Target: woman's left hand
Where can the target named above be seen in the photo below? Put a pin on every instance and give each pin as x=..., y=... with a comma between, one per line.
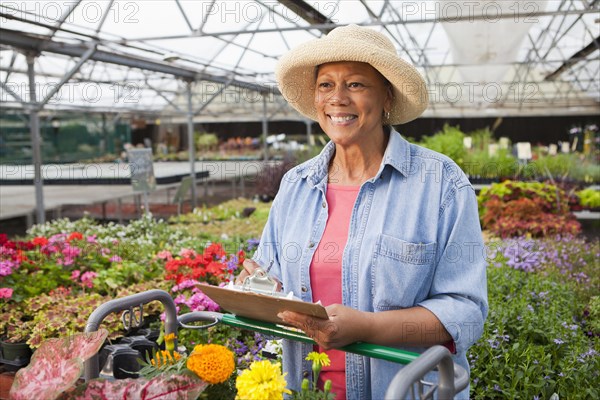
x=344, y=326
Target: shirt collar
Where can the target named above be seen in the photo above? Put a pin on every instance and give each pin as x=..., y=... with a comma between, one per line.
x=397, y=154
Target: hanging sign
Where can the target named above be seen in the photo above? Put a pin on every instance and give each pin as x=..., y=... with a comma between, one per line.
x=142, y=170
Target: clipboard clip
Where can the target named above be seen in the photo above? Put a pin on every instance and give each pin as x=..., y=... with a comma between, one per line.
x=260, y=282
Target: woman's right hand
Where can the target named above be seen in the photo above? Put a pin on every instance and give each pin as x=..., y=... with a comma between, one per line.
x=249, y=267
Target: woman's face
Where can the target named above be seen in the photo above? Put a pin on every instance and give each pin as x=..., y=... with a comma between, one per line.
x=350, y=98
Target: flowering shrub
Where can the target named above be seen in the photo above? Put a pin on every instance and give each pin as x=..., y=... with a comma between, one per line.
x=212, y=266
x=526, y=208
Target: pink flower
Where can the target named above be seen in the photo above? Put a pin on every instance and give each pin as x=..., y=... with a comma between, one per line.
x=71, y=252
x=104, y=251
x=200, y=302
x=164, y=255
x=6, y=267
x=91, y=239
x=6, y=293
x=87, y=278
x=189, y=283
x=75, y=275
x=116, y=259
x=187, y=253
x=180, y=299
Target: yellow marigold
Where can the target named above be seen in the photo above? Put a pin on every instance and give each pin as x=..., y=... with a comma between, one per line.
x=213, y=363
x=263, y=381
x=322, y=359
x=165, y=357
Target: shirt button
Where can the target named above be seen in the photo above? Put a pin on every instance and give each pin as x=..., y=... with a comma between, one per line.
x=324, y=204
x=305, y=374
x=311, y=245
x=304, y=289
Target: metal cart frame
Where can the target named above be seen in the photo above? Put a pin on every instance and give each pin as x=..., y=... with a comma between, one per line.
x=408, y=381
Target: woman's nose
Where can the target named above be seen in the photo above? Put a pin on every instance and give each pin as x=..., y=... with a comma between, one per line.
x=338, y=97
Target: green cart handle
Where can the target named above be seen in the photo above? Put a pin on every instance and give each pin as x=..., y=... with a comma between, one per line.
x=363, y=349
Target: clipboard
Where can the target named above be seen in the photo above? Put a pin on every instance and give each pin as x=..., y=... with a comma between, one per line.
x=262, y=307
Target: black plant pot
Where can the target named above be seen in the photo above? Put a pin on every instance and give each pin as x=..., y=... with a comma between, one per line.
x=14, y=355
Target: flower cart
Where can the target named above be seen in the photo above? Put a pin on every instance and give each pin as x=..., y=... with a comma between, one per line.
x=452, y=378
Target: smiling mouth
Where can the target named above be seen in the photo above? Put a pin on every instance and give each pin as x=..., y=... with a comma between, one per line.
x=341, y=119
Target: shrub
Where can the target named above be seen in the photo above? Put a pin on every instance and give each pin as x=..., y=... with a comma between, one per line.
x=510, y=209
x=589, y=198
x=449, y=142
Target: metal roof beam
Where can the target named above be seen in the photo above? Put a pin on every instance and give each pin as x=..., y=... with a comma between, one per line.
x=307, y=13
x=575, y=58
x=31, y=42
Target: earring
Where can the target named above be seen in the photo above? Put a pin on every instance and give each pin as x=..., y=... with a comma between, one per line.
x=386, y=115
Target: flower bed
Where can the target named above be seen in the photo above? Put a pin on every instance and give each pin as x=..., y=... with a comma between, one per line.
x=541, y=337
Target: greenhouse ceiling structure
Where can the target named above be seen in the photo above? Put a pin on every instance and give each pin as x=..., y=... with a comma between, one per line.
x=214, y=60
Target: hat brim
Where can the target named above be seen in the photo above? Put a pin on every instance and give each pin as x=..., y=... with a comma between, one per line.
x=296, y=75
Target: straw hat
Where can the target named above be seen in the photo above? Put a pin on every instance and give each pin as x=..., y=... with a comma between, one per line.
x=295, y=71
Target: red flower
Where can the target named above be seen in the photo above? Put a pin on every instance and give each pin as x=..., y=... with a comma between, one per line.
x=241, y=257
x=213, y=251
x=39, y=241
x=75, y=236
x=215, y=268
x=3, y=238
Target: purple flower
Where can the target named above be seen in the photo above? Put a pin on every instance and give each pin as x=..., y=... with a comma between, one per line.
x=251, y=244
x=115, y=259
x=559, y=341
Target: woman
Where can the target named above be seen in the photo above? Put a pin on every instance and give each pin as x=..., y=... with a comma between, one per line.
x=384, y=233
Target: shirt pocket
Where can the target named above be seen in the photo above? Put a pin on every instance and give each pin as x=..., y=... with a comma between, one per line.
x=401, y=272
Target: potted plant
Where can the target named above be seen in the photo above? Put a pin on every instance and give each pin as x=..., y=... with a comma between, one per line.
x=15, y=329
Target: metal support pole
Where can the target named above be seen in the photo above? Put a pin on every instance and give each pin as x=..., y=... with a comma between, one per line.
x=309, y=139
x=192, y=143
x=265, y=128
x=34, y=130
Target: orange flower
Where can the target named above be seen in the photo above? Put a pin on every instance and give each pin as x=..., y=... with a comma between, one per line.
x=213, y=363
x=164, y=357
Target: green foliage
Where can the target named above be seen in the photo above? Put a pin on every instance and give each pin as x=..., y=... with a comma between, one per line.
x=589, y=198
x=206, y=141
x=449, y=142
x=532, y=344
x=62, y=315
x=226, y=223
x=123, y=274
x=592, y=312
x=33, y=281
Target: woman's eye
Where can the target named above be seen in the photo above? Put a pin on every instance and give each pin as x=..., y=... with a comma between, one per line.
x=355, y=85
x=324, y=85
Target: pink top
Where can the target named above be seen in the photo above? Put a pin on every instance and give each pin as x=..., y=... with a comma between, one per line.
x=326, y=273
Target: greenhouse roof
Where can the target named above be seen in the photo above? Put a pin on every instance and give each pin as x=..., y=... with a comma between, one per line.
x=480, y=58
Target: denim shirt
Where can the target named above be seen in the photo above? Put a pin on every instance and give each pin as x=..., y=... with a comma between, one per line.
x=414, y=240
